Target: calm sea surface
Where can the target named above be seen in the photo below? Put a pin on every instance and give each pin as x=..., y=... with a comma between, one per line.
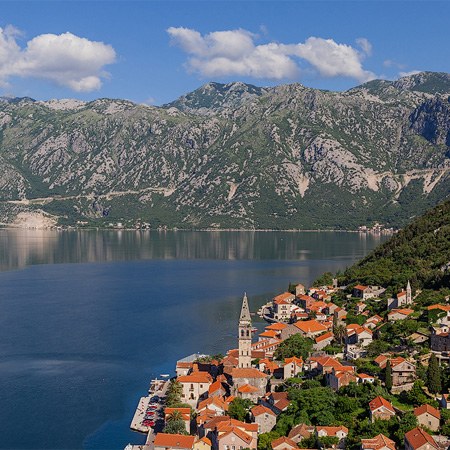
x=91, y=317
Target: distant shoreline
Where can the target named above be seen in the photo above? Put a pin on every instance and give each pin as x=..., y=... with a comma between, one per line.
x=216, y=230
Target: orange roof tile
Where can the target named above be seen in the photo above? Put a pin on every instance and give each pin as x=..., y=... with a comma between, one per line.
x=331, y=431
x=364, y=376
x=360, y=287
x=239, y=433
x=404, y=312
x=282, y=404
x=217, y=401
x=418, y=437
x=284, y=296
x=294, y=359
x=247, y=373
x=247, y=388
x=427, y=409
x=378, y=442
x=268, y=333
x=324, y=337
x=441, y=307
x=285, y=441
x=302, y=430
x=278, y=326
x=206, y=440
x=197, y=377
x=260, y=409
x=174, y=440
x=379, y=402
x=310, y=326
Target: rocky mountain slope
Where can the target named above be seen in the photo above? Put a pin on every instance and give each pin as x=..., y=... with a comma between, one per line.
x=232, y=155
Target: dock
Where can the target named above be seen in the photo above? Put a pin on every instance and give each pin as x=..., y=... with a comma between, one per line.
x=157, y=388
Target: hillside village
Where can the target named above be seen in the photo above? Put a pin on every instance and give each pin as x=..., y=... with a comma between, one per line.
x=338, y=367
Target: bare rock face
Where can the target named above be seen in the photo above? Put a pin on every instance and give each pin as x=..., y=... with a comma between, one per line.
x=432, y=120
x=232, y=155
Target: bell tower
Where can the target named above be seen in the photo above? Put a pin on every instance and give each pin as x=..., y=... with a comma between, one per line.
x=245, y=335
x=408, y=294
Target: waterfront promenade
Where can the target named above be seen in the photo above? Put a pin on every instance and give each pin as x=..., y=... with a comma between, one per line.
x=157, y=389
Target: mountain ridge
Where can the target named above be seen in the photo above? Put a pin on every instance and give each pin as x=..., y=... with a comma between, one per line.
x=232, y=156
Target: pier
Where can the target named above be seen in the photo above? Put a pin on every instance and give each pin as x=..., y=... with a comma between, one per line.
x=157, y=388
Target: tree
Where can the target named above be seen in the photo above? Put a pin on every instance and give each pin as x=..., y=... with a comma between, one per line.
x=339, y=332
x=407, y=423
x=265, y=440
x=434, y=383
x=296, y=345
x=328, y=441
x=238, y=408
x=174, y=415
x=388, y=376
x=175, y=427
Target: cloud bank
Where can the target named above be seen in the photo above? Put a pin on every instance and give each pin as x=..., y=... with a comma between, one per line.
x=65, y=59
x=234, y=52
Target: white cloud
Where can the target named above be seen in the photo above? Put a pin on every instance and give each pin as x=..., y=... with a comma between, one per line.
x=234, y=52
x=65, y=59
x=365, y=45
x=333, y=60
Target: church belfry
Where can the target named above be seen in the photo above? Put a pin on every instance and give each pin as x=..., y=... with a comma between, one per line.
x=408, y=294
x=245, y=335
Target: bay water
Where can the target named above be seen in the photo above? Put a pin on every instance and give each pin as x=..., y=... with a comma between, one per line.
x=88, y=318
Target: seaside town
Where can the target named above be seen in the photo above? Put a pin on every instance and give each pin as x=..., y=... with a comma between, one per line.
x=337, y=367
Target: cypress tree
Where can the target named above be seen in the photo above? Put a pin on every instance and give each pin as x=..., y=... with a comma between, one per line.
x=388, y=376
x=434, y=383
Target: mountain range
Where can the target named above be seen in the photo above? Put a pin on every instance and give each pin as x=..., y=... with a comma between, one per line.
x=231, y=156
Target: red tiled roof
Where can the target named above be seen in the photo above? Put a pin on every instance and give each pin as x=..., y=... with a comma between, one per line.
x=418, y=437
x=197, y=377
x=427, y=409
x=268, y=333
x=276, y=326
x=310, y=326
x=360, y=287
x=404, y=312
x=247, y=388
x=247, y=373
x=378, y=442
x=324, y=337
x=284, y=296
x=286, y=442
x=331, y=431
x=239, y=433
x=302, y=430
x=378, y=402
x=441, y=307
x=294, y=359
x=260, y=409
x=174, y=440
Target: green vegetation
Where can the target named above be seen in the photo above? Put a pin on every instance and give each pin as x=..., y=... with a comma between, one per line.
x=296, y=345
x=239, y=408
x=434, y=383
x=388, y=376
x=419, y=253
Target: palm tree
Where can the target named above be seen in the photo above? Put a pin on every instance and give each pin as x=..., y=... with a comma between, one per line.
x=174, y=415
x=339, y=332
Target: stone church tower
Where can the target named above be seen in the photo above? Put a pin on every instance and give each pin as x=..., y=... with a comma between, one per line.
x=408, y=294
x=245, y=336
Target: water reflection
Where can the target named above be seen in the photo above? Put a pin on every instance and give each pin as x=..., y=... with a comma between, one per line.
x=20, y=248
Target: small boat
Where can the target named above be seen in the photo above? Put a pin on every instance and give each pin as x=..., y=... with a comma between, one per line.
x=254, y=330
x=165, y=375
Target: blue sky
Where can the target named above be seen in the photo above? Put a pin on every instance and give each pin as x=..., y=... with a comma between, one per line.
x=154, y=51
